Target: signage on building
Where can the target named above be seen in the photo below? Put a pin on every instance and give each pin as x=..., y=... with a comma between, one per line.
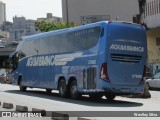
x=94, y=18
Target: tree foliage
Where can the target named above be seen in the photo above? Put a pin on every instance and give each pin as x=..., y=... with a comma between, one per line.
x=48, y=26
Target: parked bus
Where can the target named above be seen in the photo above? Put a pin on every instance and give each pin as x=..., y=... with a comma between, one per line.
x=100, y=59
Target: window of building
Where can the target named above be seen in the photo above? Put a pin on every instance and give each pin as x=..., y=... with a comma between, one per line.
x=58, y=20
x=149, y=5
x=157, y=3
x=159, y=6
x=155, y=7
x=152, y=12
x=158, y=41
x=21, y=31
x=145, y=11
x=148, y=10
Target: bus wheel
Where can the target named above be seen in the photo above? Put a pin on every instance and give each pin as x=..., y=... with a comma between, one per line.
x=48, y=90
x=110, y=97
x=21, y=87
x=74, y=90
x=62, y=88
x=95, y=97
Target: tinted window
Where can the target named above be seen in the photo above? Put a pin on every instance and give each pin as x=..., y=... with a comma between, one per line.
x=25, y=50
x=52, y=44
x=65, y=42
x=19, y=47
x=74, y=41
x=34, y=47
x=82, y=39
x=31, y=48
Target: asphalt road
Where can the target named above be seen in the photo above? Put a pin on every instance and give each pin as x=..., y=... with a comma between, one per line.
x=37, y=98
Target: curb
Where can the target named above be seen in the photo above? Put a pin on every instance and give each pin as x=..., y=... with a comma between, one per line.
x=7, y=105
x=59, y=116
x=83, y=119
x=43, y=112
x=20, y=108
x=54, y=115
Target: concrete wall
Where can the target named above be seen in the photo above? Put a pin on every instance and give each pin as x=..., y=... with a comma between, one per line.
x=151, y=15
x=153, y=49
x=123, y=9
x=22, y=27
x=2, y=12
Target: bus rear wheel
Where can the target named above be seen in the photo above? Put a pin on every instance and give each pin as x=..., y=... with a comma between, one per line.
x=62, y=88
x=110, y=97
x=95, y=97
x=48, y=90
x=74, y=94
x=21, y=87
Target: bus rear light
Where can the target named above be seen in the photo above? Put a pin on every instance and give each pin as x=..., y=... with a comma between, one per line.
x=144, y=74
x=104, y=72
x=142, y=24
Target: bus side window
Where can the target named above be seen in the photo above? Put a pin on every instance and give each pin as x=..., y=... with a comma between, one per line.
x=93, y=36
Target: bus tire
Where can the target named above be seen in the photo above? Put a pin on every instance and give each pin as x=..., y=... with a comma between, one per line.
x=62, y=87
x=73, y=90
x=21, y=87
x=48, y=90
x=95, y=97
x=110, y=97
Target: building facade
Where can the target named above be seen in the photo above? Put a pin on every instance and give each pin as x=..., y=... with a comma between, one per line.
x=50, y=18
x=7, y=26
x=87, y=11
x=22, y=28
x=2, y=13
x=150, y=16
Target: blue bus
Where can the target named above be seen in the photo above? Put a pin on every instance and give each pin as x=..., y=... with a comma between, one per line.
x=106, y=58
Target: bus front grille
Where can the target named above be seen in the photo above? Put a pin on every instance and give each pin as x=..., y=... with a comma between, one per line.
x=126, y=58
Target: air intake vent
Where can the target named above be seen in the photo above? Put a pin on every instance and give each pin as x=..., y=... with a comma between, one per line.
x=91, y=78
x=126, y=58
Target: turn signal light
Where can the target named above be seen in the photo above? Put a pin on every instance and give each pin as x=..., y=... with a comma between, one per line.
x=104, y=72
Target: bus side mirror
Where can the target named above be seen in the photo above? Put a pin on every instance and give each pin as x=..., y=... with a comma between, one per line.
x=7, y=63
x=13, y=59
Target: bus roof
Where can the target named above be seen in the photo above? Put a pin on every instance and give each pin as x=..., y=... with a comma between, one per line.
x=40, y=35
x=36, y=36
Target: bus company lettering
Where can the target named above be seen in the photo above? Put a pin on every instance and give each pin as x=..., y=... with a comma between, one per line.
x=127, y=48
x=51, y=60
x=41, y=61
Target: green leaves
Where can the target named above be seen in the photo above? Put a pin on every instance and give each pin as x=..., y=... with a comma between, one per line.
x=48, y=26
